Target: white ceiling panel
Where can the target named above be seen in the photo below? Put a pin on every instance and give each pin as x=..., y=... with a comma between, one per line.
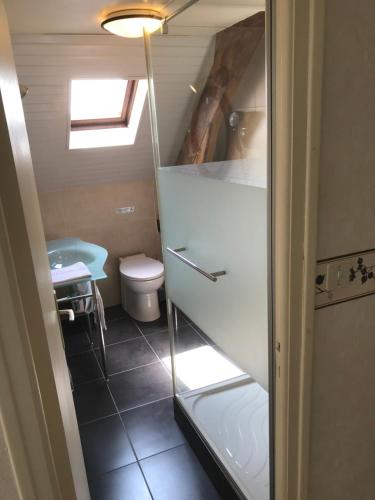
x=55, y=41
x=85, y=16
x=46, y=64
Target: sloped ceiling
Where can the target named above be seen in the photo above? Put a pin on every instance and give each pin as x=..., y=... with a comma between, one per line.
x=47, y=62
x=84, y=16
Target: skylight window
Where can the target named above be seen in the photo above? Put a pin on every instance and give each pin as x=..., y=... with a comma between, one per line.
x=97, y=99
x=105, y=113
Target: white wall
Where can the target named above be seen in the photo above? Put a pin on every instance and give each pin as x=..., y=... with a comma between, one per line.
x=343, y=399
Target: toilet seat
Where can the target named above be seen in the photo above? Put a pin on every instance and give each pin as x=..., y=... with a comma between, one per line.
x=141, y=268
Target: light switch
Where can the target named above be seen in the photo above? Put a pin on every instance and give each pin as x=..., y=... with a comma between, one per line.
x=125, y=210
x=338, y=274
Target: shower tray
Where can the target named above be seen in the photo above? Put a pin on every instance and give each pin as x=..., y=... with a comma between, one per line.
x=233, y=419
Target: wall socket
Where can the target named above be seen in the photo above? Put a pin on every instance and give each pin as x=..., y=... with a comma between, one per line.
x=345, y=278
x=125, y=210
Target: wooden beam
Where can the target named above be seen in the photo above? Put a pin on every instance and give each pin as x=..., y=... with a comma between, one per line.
x=234, y=48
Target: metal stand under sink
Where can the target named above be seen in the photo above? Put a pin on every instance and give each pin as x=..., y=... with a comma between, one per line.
x=93, y=294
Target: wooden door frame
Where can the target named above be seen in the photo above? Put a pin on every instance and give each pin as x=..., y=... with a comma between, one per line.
x=298, y=27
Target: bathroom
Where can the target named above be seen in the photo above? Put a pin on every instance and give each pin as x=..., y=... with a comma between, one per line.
x=104, y=204
x=99, y=192
x=186, y=266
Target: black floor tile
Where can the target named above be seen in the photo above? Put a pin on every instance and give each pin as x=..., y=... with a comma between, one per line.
x=115, y=312
x=84, y=367
x=128, y=355
x=186, y=339
x=105, y=446
x=140, y=386
x=93, y=400
x=121, y=329
x=126, y=483
x=160, y=343
x=177, y=475
x=158, y=325
x=72, y=327
x=205, y=337
x=77, y=343
x=152, y=428
x=76, y=339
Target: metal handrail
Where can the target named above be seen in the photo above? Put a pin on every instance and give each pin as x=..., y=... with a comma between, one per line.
x=210, y=276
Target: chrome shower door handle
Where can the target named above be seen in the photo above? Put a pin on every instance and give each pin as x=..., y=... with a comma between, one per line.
x=211, y=276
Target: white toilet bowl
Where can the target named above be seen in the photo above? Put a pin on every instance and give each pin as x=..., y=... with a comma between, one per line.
x=141, y=278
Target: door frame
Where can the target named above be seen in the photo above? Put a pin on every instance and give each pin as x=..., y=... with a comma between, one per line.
x=51, y=439
x=37, y=413
x=298, y=27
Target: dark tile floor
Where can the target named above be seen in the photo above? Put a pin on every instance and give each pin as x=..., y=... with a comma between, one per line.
x=132, y=446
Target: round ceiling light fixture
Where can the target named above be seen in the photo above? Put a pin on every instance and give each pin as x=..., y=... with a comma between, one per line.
x=130, y=23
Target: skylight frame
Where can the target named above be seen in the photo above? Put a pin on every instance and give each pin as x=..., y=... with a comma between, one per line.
x=111, y=122
x=110, y=136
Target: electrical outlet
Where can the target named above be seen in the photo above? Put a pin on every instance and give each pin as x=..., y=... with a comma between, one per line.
x=125, y=210
x=345, y=278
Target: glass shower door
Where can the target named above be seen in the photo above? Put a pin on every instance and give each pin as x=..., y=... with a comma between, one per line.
x=210, y=134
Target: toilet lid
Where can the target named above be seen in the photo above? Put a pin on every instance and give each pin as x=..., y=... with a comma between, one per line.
x=140, y=267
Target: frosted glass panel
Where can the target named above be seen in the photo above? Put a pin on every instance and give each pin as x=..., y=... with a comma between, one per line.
x=223, y=226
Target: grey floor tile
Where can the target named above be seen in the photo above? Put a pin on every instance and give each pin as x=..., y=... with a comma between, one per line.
x=84, y=367
x=140, y=386
x=121, y=329
x=105, y=446
x=177, y=475
x=115, y=312
x=185, y=340
x=126, y=483
x=128, y=355
x=92, y=401
x=77, y=343
x=152, y=428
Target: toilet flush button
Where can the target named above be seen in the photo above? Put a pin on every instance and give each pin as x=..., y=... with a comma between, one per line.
x=125, y=210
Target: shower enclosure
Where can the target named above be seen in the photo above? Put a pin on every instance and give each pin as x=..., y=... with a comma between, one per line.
x=210, y=124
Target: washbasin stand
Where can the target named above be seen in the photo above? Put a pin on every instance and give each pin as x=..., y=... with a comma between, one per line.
x=67, y=251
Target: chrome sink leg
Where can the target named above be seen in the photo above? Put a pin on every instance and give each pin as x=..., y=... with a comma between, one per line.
x=89, y=328
x=100, y=328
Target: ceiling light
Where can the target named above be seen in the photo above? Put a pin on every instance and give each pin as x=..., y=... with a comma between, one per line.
x=131, y=23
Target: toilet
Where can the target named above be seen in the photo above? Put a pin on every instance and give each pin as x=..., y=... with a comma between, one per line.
x=141, y=278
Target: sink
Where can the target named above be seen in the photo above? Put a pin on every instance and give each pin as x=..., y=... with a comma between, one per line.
x=62, y=258
x=67, y=251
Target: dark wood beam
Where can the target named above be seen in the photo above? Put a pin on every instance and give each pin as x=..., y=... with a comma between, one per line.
x=234, y=48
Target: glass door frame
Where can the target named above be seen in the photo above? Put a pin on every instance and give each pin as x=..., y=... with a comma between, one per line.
x=172, y=313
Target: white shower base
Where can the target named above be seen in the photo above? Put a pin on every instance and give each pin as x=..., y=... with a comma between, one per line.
x=233, y=418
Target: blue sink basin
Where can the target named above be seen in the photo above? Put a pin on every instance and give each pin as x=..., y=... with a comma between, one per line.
x=68, y=251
